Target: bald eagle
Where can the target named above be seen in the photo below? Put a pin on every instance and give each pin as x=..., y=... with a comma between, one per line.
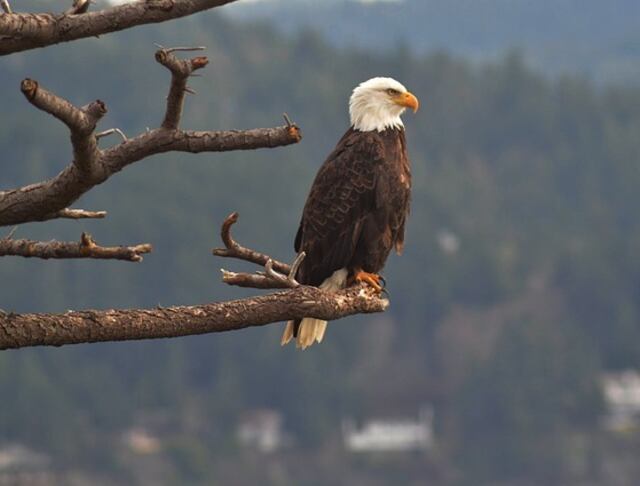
x=359, y=201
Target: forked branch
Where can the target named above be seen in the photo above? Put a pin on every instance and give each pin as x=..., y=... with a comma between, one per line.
x=233, y=249
x=91, y=166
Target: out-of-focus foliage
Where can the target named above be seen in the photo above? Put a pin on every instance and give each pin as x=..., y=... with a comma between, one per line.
x=519, y=282
x=595, y=38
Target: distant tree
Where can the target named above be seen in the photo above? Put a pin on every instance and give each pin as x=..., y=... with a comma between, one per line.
x=521, y=411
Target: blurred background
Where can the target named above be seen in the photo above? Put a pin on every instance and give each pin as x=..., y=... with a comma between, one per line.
x=511, y=351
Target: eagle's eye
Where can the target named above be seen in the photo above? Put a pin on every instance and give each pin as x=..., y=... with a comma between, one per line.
x=393, y=92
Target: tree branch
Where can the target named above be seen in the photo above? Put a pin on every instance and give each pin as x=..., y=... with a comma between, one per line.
x=298, y=301
x=91, y=166
x=85, y=248
x=22, y=330
x=21, y=32
x=233, y=249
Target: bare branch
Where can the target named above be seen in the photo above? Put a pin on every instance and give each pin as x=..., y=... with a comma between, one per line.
x=5, y=6
x=44, y=200
x=252, y=280
x=270, y=278
x=29, y=31
x=233, y=249
x=22, y=330
x=180, y=69
x=85, y=248
x=80, y=214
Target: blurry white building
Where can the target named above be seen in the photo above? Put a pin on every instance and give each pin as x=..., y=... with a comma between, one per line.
x=261, y=429
x=141, y=441
x=622, y=395
x=18, y=457
x=390, y=435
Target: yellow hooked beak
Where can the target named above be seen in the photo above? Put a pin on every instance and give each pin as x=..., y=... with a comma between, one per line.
x=408, y=100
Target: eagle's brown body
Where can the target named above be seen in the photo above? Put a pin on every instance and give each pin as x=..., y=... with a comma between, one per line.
x=357, y=207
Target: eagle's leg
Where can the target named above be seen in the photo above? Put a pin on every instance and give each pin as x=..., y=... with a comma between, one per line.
x=373, y=279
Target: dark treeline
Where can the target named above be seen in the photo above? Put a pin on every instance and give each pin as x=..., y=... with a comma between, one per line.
x=518, y=288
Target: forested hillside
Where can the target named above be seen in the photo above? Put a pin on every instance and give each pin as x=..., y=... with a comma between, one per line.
x=519, y=284
x=598, y=39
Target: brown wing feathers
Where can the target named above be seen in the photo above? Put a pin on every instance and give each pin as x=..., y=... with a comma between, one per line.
x=341, y=197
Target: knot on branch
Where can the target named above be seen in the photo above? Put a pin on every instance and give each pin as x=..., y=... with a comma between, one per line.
x=292, y=128
x=164, y=5
x=199, y=62
x=95, y=110
x=29, y=88
x=87, y=243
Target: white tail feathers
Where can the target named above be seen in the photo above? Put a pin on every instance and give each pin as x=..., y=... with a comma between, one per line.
x=287, y=335
x=312, y=330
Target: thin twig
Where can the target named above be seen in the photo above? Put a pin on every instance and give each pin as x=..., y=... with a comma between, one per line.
x=296, y=265
x=80, y=214
x=183, y=49
x=11, y=233
x=5, y=6
x=253, y=280
x=110, y=132
x=286, y=280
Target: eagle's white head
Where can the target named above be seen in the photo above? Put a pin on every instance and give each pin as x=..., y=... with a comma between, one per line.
x=377, y=104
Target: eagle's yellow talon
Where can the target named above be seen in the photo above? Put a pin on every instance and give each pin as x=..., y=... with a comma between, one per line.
x=369, y=278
